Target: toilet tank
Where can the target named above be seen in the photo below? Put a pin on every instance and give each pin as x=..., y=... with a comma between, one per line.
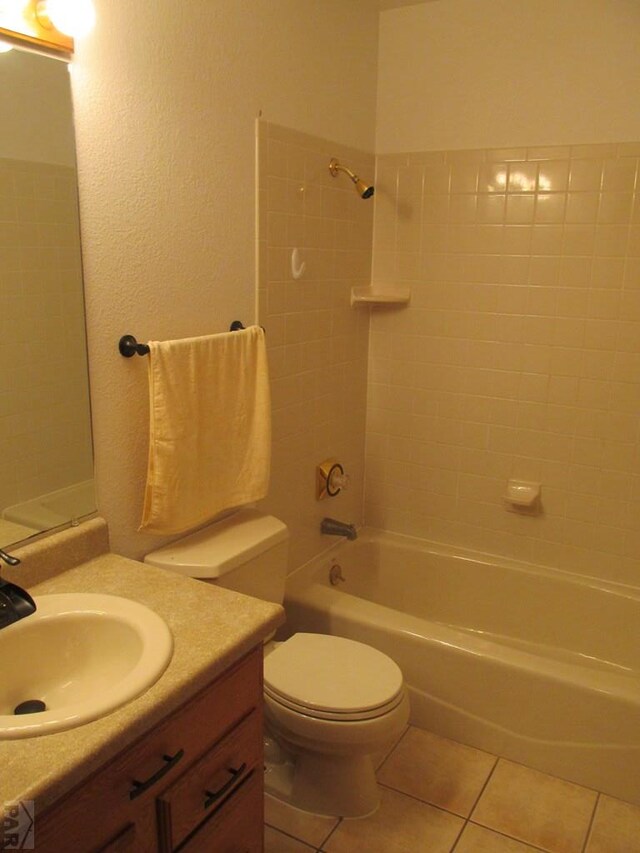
x=246, y=552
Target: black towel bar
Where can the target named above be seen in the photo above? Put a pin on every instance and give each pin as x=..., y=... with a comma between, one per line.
x=128, y=346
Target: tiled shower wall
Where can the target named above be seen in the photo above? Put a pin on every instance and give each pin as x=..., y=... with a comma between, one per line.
x=317, y=344
x=518, y=356
x=45, y=435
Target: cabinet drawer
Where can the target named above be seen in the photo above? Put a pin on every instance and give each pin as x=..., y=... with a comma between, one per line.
x=118, y=793
x=237, y=827
x=210, y=781
x=124, y=842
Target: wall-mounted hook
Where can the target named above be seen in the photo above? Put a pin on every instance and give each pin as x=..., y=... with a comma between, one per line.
x=298, y=266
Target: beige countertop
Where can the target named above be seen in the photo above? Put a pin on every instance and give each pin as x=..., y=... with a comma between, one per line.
x=211, y=627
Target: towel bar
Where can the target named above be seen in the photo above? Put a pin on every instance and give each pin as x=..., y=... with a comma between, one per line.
x=128, y=346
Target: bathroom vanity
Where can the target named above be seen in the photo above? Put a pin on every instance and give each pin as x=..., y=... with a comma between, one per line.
x=196, y=778
x=179, y=767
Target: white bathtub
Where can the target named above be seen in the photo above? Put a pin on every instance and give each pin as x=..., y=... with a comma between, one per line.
x=533, y=664
x=54, y=508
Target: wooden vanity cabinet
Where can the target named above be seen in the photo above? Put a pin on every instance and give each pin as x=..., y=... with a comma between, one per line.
x=194, y=783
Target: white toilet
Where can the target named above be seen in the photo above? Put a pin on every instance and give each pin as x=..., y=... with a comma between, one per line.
x=330, y=703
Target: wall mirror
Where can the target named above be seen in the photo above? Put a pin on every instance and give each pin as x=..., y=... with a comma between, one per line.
x=46, y=458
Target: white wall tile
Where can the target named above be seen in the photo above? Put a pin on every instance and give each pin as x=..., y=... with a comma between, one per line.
x=525, y=359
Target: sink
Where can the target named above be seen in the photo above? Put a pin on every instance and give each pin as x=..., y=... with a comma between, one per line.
x=81, y=654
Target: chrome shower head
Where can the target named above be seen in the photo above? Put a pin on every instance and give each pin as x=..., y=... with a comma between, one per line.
x=363, y=189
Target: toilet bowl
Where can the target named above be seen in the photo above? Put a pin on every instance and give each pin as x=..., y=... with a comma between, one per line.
x=330, y=703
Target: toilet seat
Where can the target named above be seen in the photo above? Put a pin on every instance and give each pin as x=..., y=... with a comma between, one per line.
x=335, y=716
x=332, y=678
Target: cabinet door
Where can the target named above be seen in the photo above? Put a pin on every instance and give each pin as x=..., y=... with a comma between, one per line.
x=133, y=838
x=94, y=828
x=237, y=826
x=207, y=785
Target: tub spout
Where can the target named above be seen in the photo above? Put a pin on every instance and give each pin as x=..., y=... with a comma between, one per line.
x=338, y=528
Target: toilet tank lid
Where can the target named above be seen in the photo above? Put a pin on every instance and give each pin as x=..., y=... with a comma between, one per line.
x=222, y=546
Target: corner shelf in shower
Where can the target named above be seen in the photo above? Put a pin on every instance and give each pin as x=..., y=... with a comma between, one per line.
x=380, y=295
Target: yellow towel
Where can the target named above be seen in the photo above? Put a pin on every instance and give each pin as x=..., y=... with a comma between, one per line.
x=210, y=428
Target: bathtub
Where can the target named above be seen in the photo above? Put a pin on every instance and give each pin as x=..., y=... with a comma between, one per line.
x=532, y=664
x=54, y=508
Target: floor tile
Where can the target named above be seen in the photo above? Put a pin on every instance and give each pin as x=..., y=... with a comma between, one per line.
x=378, y=758
x=277, y=842
x=616, y=827
x=535, y=808
x=478, y=839
x=303, y=825
x=437, y=770
x=401, y=825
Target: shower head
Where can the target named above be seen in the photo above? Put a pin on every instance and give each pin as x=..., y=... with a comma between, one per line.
x=363, y=189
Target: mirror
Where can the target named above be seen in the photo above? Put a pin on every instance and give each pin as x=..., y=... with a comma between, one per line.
x=46, y=458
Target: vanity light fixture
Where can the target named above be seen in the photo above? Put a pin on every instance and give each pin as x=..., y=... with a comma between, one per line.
x=10, y=13
x=74, y=18
x=47, y=26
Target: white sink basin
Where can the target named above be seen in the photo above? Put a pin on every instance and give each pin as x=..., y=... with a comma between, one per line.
x=83, y=655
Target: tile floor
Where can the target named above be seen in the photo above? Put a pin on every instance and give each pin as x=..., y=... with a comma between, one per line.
x=439, y=796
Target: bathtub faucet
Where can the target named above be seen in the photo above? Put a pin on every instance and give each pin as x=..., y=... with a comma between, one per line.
x=338, y=528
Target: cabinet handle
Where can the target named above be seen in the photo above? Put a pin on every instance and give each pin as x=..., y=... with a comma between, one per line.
x=140, y=787
x=212, y=796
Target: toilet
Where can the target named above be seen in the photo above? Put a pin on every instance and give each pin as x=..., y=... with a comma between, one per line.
x=331, y=704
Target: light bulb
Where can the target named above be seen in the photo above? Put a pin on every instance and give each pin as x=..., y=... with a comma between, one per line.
x=74, y=18
x=11, y=18
x=5, y=47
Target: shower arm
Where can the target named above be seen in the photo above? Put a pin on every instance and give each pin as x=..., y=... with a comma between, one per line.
x=335, y=167
x=363, y=189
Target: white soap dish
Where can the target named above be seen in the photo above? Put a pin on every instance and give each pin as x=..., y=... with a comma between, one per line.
x=522, y=494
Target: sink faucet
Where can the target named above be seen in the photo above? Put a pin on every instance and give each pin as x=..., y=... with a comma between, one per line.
x=15, y=602
x=338, y=528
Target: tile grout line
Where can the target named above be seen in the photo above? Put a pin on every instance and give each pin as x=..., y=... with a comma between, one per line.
x=457, y=841
x=510, y=837
x=289, y=835
x=465, y=821
x=484, y=787
x=339, y=823
x=340, y=819
x=477, y=800
x=423, y=802
x=591, y=822
x=465, y=818
x=393, y=749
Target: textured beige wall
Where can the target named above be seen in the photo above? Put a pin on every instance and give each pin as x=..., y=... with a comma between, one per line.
x=318, y=344
x=459, y=74
x=165, y=105
x=519, y=355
